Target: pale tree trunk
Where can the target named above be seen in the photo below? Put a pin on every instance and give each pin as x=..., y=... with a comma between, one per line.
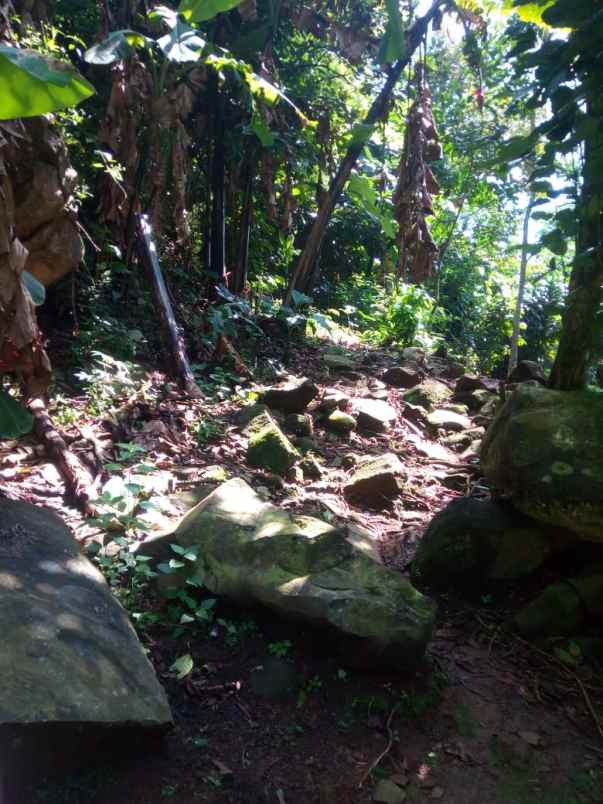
x=523, y=270
x=305, y=269
x=578, y=331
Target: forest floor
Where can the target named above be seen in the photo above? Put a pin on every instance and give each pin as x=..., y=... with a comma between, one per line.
x=487, y=719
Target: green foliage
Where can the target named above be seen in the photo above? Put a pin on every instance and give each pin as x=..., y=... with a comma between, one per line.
x=280, y=649
x=32, y=84
x=15, y=420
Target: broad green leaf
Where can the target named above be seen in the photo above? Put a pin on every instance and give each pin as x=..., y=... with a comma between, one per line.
x=36, y=289
x=118, y=45
x=183, y=666
x=262, y=130
x=202, y=10
x=32, y=84
x=182, y=43
x=530, y=11
x=15, y=420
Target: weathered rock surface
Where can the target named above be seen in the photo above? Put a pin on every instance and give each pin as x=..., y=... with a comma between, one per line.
x=402, y=377
x=339, y=362
x=341, y=422
x=269, y=448
x=334, y=399
x=472, y=544
x=414, y=356
x=527, y=370
x=249, y=412
x=545, y=449
x=304, y=569
x=69, y=653
x=375, y=415
x=376, y=481
x=448, y=420
x=429, y=394
x=299, y=424
x=293, y=397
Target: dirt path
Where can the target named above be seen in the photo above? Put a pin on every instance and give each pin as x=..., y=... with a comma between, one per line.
x=266, y=715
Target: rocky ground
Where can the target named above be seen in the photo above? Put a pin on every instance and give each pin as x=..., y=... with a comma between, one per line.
x=378, y=443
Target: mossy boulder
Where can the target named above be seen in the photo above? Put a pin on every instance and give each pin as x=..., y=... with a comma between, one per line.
x=292, y=397
x=430, y=394
x=305, y=570
x=341, y=422
x=557, y=611
x=472, y=545
x=299, y=424
x=269, y=448
x=376, y=481
x=248, y=413
x=545, y=449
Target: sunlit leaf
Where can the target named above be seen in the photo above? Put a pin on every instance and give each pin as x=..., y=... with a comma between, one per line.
x=202, y=10
x=32, y=84
x=183, y=666
x=182, y=43
x=118, y=45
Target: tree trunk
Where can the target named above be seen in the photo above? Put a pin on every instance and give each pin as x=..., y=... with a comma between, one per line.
x=218, y=223
x=172, y=336
x=523, y=266
x=577, y=343
x=305, y=266
x=239, y=279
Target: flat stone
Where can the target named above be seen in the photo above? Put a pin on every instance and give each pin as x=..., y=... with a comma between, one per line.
x=293, y=397
x=70, y=659
x=304, y=569
x=402, y=377
x=269, y=448
x=387, y=792
x=338, y=362
x=448, y=420
x=376, y=481
x=374, y=415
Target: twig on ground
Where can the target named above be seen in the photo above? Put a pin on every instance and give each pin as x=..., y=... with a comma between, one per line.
x=388, y=747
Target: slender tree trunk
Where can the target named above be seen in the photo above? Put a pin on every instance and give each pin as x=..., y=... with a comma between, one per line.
x=577, y=343
x=218, y=223
x=174, y=342
x=523, y=266
x=240, y=278
x=311, y=252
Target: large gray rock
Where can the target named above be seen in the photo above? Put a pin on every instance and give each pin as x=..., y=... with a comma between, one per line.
x=430, y=394
x=269, y=448
x=293, y=397
x=471, y=545
x=545, y=449
x=70, y=658
x=374, y=415
x=304, y=569
x=402, y=377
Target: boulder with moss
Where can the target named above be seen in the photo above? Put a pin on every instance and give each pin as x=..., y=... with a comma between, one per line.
x=375, y=415
x=292, y=397
x=305, y=570
x=269, y=448
x=376, y=481
x=473, y=545
x=341, y=422
x=430, y=394
x=545, y=449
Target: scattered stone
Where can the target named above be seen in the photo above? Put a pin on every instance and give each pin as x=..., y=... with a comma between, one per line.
x=305, y=444
x=545, y=449
x=311, y=468
x=247, y=413
x=414, y=356
x=269, y=448
x=401, y=377
x=338, y=362
x=527, y=370
x=332, y=400
x=453, y=371
x=375, y=415
x=70, y=658
x=472, y=544
x=341, y=422
x=387, y=792
x=471, y=382
x=456, y=407
x=304, y=569
x=295, y=474
x=294, y=397
x=376, y=481
x=430, y=394
x=557, y=611
x=462, y=440
x=299, y=424
x=448, y=420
